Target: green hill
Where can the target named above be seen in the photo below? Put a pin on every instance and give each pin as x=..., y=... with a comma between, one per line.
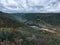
x=26, y=35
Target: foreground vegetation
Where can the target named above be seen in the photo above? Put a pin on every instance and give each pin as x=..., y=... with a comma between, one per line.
x=25, y=36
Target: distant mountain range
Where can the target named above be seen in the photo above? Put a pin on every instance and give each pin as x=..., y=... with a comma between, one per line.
x=8, y=20
x=51, y=18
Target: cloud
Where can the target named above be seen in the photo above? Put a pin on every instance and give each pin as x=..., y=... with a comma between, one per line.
x=30, y=6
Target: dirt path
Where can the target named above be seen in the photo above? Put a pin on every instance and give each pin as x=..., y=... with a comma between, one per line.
x=52, y=31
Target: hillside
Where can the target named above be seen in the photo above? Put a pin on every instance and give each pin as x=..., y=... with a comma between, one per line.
x=30, y=29
x=49, y=18
x=7, y=20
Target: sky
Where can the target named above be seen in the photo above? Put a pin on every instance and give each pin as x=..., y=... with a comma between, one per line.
x=30, y=6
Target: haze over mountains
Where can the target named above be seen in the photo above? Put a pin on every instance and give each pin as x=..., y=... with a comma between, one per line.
x=36, y=18
x=47, y=17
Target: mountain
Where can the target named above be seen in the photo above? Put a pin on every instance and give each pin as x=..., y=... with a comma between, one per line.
x=51, y=18
x=9, y=20
x=30, y=29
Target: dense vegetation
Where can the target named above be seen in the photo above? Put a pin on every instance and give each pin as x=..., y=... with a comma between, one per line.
x=26, y=37
x=53, y=19
x=24, y=34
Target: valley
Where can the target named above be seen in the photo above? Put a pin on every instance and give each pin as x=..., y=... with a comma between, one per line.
x=29, y=29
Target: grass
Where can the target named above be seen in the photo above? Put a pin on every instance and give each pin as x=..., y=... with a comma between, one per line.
x=25, y=32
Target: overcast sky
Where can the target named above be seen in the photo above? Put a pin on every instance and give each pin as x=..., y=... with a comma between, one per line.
x=30, y=6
